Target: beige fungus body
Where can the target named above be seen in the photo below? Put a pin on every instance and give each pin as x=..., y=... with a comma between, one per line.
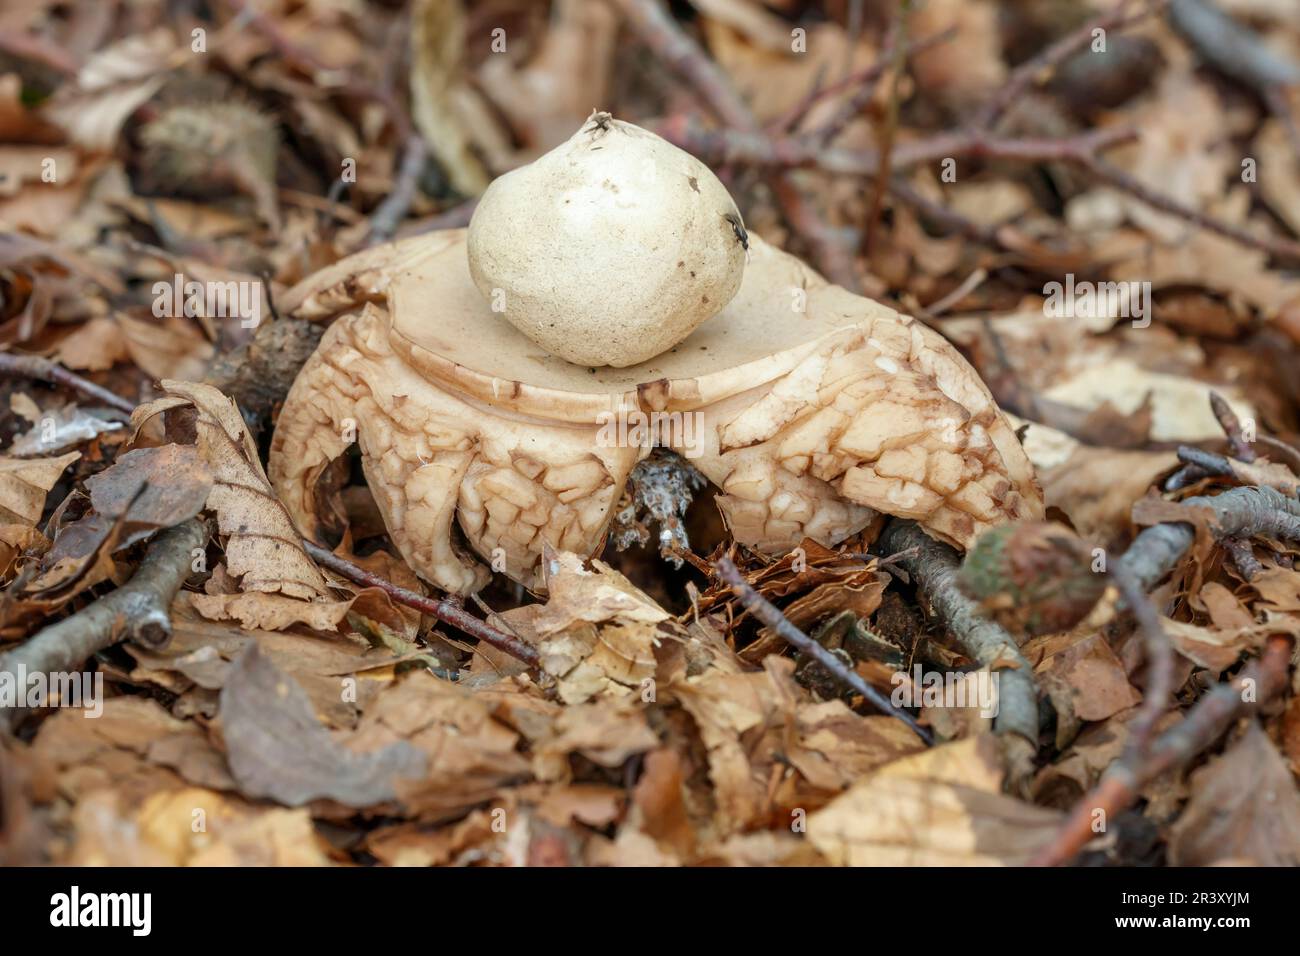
x=611, y=248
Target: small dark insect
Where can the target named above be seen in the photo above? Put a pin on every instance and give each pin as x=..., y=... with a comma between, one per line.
x=599, y=123
x=738, y=228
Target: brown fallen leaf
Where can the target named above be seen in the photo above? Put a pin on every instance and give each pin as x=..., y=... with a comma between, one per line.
x=606, y=732
x=596, y=633
x=1244, y=805
x=437, y=52
x=197, y=661
x=939, y=808
x=109, y=88
x=409, y=844
x=547, y=97
x=178, y=484
x=658, y=798
x=890, y=821
x=15, y=540
x=1096, y=488
x=1278, y=589
x=270, y=612
x=170, y=347
x=277, y=749
x=24, y=482
x=162, y=831
x=134, y=748
x=143, y=492
x=1218, y=648
x=756, y=724
x=94, y=347
x=1086, y=681
x=471, y=752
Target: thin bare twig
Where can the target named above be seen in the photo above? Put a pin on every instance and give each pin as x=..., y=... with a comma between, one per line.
x=965, y=288
x=661, y=33
x=949, y=219
x=1160, y=663
x=738, y=146
x=770, y=615
x=934, y=566
x=1208, y=719
x=457, y=217
x=1126, y=182
x=1242, y=450
x=389, y=214
x=1243, y=557
x=889, y=128
x=138, y=610
x=863, y=85
x=1081, y=150
x=1231, y=48
x=1024, y=75
x=1238, y=512
x=1206, y=462
x=831, y=255
x=33, y=366
x=444, y=609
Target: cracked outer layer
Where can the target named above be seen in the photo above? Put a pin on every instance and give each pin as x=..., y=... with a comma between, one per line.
x=811, y=410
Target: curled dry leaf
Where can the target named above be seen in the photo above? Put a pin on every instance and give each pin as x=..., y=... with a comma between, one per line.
x=605, y=732
x=142, y=492
x=961, y=72
x=95, y=346
x=198, y=660
x=133, y=747
x=263, y=549
x=544, y=98
x=170, y=347
x=272, y=612
x=596, y=633
x=16, y=539
x=1180, y=411
x=1096, y=487
x=1086, y=681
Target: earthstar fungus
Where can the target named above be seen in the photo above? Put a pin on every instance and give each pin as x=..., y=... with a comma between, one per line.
x=810, y=409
